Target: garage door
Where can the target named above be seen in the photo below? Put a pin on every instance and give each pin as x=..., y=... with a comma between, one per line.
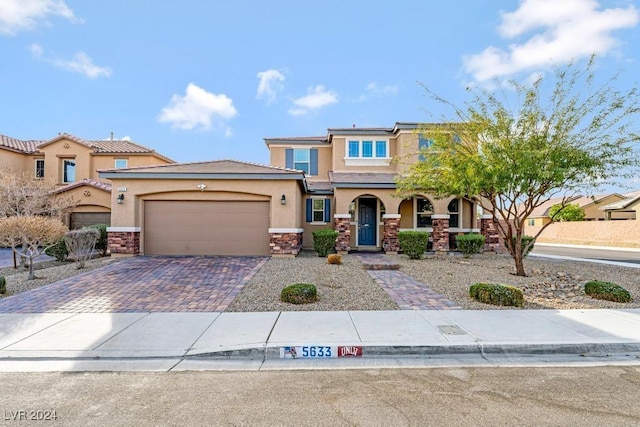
x=206, y=228
x=83, y=219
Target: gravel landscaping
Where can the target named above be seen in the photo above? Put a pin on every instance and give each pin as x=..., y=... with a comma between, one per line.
x=551, y=284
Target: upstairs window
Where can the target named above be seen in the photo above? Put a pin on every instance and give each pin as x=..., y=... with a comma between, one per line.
x=454, y=213
x=39, y=171
x=68, y=171
x=359, y=149
x=423, y=144
x=424, y=210
x=304, y=159
x=121, y=163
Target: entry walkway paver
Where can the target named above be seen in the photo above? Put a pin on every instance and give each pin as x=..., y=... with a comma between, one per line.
x=407, y=292
x=143, y=284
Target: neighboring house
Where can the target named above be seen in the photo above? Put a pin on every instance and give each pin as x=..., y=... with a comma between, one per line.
x=73, y=163
x=592, y=207
x=628, y=208
x=344, y=181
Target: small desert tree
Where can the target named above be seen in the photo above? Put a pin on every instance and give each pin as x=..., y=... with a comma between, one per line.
x=23, y=195
x=570, y=212
x=521, y=145
x=30, y=236
x=81, y=243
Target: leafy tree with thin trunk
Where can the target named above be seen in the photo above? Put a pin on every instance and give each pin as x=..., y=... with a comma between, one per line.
x=516, y=147
x=570, y=212
x=30, y=236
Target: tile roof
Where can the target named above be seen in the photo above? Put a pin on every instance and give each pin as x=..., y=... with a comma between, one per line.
x=621, y=204
x=107, y=146
x=361, y=178
x=85, y=182
x=214, y=166
x=319, y=186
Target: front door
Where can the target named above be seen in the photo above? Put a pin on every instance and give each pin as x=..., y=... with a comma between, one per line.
x=367, y=222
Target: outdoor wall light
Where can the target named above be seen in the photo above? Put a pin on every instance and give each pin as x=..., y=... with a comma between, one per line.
x=120, y=198
x=283, y=200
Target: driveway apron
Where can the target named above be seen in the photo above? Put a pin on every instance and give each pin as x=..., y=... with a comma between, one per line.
x=143, y=284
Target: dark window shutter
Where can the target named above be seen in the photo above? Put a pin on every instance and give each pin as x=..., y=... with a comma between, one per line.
x=327, y=210
x=313, y=161
x=288, y=158
x=309, y=210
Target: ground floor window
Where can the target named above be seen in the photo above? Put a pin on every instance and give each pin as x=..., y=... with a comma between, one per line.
x=318, y=210
x=424, y=211
x=454, y=213
x=39, y=168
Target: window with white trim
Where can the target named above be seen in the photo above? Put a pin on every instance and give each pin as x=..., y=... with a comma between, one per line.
x=121, y=163
x=367, y=149
x=301, y=159
x=424, y=211
x=39, y=169
x=454, y=213
x=318, y=210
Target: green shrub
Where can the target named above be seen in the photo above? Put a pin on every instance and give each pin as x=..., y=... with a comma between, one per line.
x=607, y=291
x=59, y=251
x=101, y=244
x=413, y=243
x=300, y=293
x=470, y=244
x=3, y=285
x=497, y=294
x=324, y=241
x=525, y=242
x=334, y=259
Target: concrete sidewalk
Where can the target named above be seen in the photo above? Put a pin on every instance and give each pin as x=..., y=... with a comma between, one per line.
x=173, y=338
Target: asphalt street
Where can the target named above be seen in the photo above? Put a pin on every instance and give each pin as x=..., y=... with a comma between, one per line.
x=398, y=397
x=589, y=253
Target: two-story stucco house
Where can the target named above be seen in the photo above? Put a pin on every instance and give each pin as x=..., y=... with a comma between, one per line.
x=344, y=180
x=72, y=164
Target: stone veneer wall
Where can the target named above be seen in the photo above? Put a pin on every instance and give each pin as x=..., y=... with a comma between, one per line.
x=490, y=233
x=285, y=243
x=124, y=242
x=343, y=227
x=390, y=236
x=440, y=234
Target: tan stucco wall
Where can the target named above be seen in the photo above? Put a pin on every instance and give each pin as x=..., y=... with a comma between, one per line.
x=96, y=201
x=131, y=213
x=15, y=162
x=339, y=153
x=593, y=212
x=278, y=158
x=344, y=197
x=597, y=233
x=107, y=161
x=56, y=152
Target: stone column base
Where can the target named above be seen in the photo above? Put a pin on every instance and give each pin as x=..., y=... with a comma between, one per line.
x=490, y=233
x=285, y=242
x=122, y=242
x=342, y=224
x=440, y=233
x=390, y=233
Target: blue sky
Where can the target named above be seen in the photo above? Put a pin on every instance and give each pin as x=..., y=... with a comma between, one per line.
x=201, y=80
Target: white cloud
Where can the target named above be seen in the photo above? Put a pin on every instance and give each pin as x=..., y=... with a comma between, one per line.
x=376, y=90
x=562, y=31
x=198, y=109
x=270, y=84
x=20, y=15
x=81, y=63
x=317, y=97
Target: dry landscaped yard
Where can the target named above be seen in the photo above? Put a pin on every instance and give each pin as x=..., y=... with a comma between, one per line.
x=551, y=284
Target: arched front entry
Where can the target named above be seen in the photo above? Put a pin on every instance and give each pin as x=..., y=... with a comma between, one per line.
x=366, y=212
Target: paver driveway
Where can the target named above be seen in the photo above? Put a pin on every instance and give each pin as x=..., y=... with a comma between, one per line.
x=143, y=284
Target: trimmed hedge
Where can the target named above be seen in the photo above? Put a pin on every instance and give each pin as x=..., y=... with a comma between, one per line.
x=525, y=242
x=334, y=259
x=3, y=285
x=413, y=243
x=495, y=294
x=324, y=241
x=607, y=291
x=59, y=251
x=470, y=244
x=299, y=293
